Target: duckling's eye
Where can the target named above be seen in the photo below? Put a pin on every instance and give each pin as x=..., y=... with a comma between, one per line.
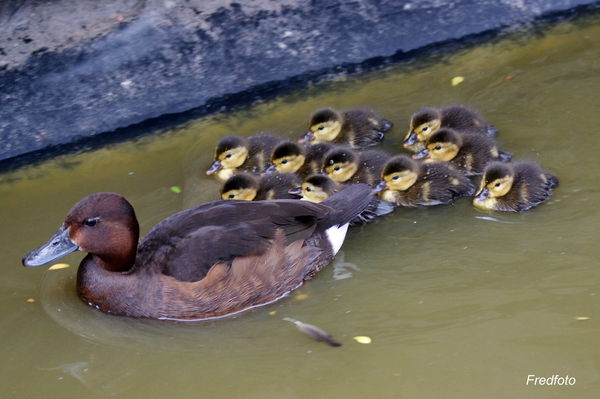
x=437, y=147
x=425, y=128
x=321, y=127
x=308, y=189
x=228, y=156
x=337, y=168
x=91, y=222
x=284, y=161
x=231, y=196
x=395, y=177
x=497, y=184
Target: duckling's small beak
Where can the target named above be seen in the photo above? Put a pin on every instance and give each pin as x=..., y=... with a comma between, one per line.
x=57, y=246
x=308, y=136
x=410, y=140
x=270, y=170
x=296, y=191
x=424, y=153
x=216, y=165
x=379, y=187
x=482, y=195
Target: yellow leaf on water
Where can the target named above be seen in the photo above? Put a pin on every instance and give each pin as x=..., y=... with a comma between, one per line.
x=301, y=297
x=582, y=318
x=59, y=266
x=361, y=339
x=457, y=80
x=30, y=300
x=176, y=189
x=272, y=313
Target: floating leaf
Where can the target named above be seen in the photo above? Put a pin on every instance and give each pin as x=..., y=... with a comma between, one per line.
x=582, y=318
x=59, y=266
x=314, y=332
x=301, y=297
x=272, y=313
x=361, y=339
x=457, y=80
x=31, y=300
x=175, y=189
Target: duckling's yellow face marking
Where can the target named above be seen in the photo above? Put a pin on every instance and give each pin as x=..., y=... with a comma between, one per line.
x=424, y=130
x=289, y=164
x=246, y=194
x=341, y=171
x=400, y=181
x=313, y=193
x=442, y=151
x=233, y=158
x=499, y=187
x=326, y=131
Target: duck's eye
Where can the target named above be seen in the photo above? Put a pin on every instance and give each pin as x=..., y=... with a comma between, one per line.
x=395, y=177
x=321, y=127
x=497, y=184
x=91, y=222
x=425, y=128
x=336, y=169
x=308, y=189
x=231, y=196
x=284, y=161
x=228, y=156
x=437, y=147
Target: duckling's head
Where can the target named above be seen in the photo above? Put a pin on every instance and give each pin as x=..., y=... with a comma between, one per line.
x=324, y=126
x=423, y=124
x=230, y=153
x=442, y=146
x=242, y=186
x=496, y=182
x=399, y=174
x=317, y=188
x=287, y=157
x=341, y=164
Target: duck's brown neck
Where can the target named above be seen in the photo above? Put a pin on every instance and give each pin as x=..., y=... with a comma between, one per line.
x=123, y=249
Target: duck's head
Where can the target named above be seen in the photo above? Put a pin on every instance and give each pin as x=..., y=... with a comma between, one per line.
x=496, y=182
x=324, y=126
x=442, y=146
x=317, y=188
x=102, y=224
x=340, y=164
x=423, y=124
x=287, y=157
x=230, y=153
x=241, y=186
x=399, y=174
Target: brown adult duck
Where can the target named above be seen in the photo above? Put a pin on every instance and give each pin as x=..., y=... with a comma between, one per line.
x=356, y=127
x=426, y=121
x=514, y=187
x=240, y=154
x=208, y=261
x=468, y=153
x=409, y=183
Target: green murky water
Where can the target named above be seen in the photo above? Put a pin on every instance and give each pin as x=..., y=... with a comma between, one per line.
x=458, y=303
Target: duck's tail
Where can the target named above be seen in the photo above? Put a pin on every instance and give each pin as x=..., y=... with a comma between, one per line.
x=348, y=203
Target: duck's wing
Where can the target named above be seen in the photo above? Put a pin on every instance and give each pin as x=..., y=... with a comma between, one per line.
x=187, y=244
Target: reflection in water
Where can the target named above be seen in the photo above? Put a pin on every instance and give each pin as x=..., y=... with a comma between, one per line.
x=459, y=302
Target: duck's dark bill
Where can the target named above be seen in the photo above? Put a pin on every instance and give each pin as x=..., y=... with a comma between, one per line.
x=57, y=246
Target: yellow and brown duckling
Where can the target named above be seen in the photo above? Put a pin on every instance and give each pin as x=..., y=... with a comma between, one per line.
x=427, y=121
x=235, y=153
x=247, y=187
x=409, y=183
x=207, y=261
x=303, y=160
x=357, y=127
x=317, y=188
x=345, y=165
x=468, y=153
x=513, y=187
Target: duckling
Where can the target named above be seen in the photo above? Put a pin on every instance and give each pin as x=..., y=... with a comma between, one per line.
x=469, y=153
x=208, y=261
x=345, y=165
x=357, y=127
x=235, y=153
x=244, y=186
x=513, y=187
x=427, y=121
x=303, y=160
x=317, y=188
x=406, y=182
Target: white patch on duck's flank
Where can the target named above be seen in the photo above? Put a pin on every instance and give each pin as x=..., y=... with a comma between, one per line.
x=336, y=236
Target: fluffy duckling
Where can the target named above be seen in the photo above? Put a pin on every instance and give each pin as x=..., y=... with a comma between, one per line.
x=356, y=127
x=317, y=188
x=235, y=153
x=469, y=153
x=406, y=182
x=303, y=160
x=345, y=165
x=427, y=121
x=514, y=187
x=244, y=186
